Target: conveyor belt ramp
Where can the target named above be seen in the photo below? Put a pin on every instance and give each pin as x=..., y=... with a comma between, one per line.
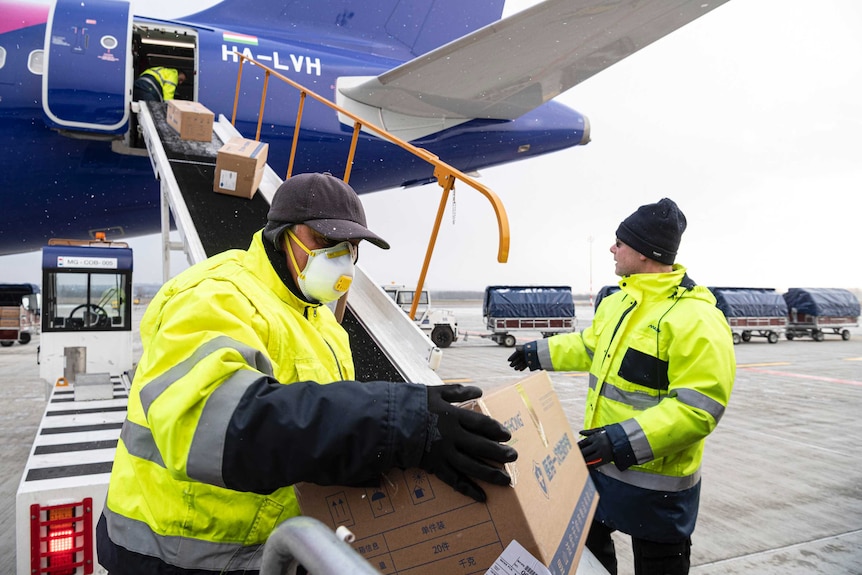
x=390, y=345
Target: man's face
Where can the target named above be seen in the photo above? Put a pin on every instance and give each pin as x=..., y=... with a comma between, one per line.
x=628, y=261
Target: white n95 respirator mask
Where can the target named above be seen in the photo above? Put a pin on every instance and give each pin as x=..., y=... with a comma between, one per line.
x=329, y=272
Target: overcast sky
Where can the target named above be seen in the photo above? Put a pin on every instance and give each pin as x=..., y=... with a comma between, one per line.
x=749, y=118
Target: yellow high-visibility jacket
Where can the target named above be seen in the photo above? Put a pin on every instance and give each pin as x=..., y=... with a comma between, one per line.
x=661, y=368
x=168, y=79
x=214, y=438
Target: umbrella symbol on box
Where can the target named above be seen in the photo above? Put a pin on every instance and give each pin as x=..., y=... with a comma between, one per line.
x=377, y=497
x=379, y=500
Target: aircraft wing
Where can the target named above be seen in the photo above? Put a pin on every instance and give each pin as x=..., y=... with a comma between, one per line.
x=511, y=66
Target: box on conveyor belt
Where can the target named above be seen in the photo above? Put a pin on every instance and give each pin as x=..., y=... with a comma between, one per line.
x=192, y=120
x=239, y=167
x=414, y=523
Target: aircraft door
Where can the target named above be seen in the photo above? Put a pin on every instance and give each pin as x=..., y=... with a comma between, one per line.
x=87, y=79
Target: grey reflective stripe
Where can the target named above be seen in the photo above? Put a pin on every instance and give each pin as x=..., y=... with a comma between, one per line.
x=162, y=79
x=637, y=439
x=206, y=452
x=183, y=552
x=152, y=390
x=207, y=449
x=153, y=83
x=636, y=399
x=594, y=381
x=139, y=442
x=543, y=352
x=651, y=480
x=697, y=399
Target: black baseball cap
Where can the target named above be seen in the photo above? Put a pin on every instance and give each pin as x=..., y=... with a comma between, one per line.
x=322, y=202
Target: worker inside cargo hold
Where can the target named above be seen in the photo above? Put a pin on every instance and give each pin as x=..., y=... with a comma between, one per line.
x=246, y=386
x=157, y=84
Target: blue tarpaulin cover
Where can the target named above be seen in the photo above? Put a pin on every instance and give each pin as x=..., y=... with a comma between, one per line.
x=831, y=302
x=604, y=292
x=749, y=302
x=528, y=301
x=11, y=294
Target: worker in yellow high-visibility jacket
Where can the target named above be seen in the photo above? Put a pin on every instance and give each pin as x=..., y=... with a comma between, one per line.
x=661, y=368
x=246, y=387
x=157, y=84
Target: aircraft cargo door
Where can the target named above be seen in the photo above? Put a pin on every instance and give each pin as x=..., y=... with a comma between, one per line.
x=87, y=79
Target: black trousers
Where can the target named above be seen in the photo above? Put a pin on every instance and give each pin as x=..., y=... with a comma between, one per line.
x=146, y=88
x=650, y=557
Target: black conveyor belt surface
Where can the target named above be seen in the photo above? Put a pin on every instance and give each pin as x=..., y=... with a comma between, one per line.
x=222, y=222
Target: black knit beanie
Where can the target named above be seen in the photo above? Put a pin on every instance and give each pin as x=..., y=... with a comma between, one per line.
x=654, y=230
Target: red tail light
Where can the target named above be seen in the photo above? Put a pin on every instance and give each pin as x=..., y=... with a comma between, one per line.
x=61, y=538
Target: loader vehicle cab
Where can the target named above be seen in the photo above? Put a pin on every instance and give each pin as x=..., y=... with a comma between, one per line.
x=439, y=324
x=86, y=287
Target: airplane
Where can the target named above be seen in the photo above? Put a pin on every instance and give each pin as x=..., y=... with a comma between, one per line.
x=449, y=76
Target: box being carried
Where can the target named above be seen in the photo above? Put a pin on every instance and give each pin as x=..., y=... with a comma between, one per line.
x=192, y=120
x=239, y=167
x=415, y=524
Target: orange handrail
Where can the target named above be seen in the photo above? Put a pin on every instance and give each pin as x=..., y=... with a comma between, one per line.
x=446, y=175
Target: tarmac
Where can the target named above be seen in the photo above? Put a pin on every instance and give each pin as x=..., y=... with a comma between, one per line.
x=782, y=483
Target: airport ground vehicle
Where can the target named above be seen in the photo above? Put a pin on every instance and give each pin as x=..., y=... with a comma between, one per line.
x=752, y=312
x=815, y=312
x=85, y=359
x=19, y=313
x=439, y=324
x=547, y=309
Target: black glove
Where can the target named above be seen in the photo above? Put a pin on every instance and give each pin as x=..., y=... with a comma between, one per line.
x=459, y=441
x=525, y=356
x=596, y=447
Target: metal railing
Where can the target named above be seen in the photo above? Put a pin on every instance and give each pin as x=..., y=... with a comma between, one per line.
x=308, y=542
x=445, y=174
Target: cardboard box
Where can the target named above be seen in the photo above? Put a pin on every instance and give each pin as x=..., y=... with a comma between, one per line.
x=10, y=311
x=414, y=524
x=192, y=120
x=239, y=167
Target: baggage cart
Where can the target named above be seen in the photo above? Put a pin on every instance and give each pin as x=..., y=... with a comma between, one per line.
x=546, y=309
x=19, y=311
x=752, y=312
x=816, y=312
